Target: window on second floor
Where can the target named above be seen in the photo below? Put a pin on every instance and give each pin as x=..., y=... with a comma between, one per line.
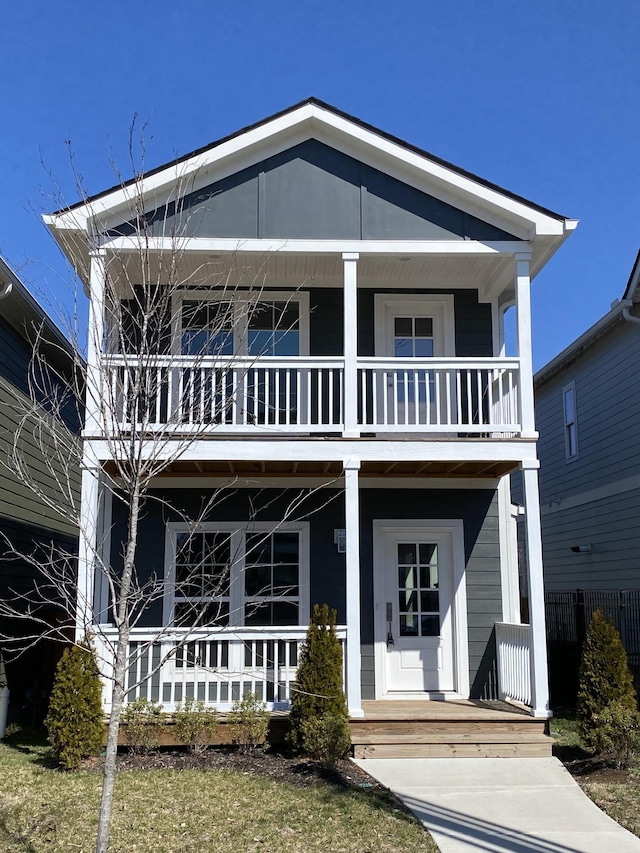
x=570, y=421
x=268, y=327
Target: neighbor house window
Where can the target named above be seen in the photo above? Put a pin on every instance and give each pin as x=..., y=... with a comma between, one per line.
x=237, y=574
x=570, y=421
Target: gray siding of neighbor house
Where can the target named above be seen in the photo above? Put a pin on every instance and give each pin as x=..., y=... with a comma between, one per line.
x=594, y=499
x=18, y=501
x=477, y=508
x=313, y=191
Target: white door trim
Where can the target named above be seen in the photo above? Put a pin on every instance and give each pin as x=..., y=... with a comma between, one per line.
x=440, y=306
x=455, y=528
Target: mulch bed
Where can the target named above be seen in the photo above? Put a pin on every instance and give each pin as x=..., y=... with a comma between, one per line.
x=585, y=767
x=271, y=764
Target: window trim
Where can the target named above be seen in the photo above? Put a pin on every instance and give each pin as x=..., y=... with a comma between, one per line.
x=570, y=387
x=238, y=532
x=240, y=324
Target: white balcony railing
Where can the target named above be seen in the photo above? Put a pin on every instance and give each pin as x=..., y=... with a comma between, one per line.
x=513, y=646
x=476, y=396
x=216, y=665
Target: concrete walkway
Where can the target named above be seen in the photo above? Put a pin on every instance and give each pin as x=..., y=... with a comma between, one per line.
x=519, y=805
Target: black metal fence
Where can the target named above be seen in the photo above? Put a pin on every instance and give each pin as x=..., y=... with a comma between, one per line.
x=568, y=617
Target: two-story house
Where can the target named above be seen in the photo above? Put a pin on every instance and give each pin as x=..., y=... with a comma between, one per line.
x=333, y=362
x=29, y=478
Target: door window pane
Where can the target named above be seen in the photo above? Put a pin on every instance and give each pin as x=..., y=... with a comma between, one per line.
x=418, y=596
x=207, y=328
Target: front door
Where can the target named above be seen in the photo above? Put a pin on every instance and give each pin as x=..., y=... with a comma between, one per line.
x=414, y=605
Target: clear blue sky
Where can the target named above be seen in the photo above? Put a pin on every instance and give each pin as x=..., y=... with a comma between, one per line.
x=539, y=97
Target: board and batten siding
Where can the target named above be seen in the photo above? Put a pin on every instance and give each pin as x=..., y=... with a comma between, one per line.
x=478, y=508
x=313, y=191
x=593, y=499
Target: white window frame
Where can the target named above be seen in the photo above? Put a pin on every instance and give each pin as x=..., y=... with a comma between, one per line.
x=570, y=387
x=238, y=532
x=240, y=300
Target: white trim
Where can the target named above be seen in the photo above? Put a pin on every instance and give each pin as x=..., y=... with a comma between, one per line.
x=455, y=529
x=439, y=306
x=508, y=532
x=566, y=423
x=303, y=481
x=238, y=531
x=105, y=523
x=353, y=668
x=310, y=450
x=311, y=120
x=269, y=246
x=240, y=300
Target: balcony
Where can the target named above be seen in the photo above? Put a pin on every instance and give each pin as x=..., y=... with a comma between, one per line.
x=443, y=397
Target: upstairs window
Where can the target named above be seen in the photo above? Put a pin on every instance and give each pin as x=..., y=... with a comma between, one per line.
x=207, y=328
x=274, y=329
x=570, y=421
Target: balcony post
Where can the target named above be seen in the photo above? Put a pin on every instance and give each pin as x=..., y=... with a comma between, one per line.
x=523, y=310
x=94, y=399
x=539, y=677
x=87, y=543
x=352, y=582
x=350, y=348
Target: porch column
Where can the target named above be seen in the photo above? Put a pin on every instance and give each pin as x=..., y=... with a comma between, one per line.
x=350, y=347
x=87, y=541
x=352, y=529
x=539, y=674
x=523, y=310
x=94, y=398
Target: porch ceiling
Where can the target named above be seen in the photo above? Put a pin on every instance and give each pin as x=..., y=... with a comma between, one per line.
x=331, y=470
x=293, y=270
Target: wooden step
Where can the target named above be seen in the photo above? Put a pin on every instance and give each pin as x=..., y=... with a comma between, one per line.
x=418, y=737
x=538, y=748
x=384, y=728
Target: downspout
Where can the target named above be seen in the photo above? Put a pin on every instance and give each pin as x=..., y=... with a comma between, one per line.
x=5, y=289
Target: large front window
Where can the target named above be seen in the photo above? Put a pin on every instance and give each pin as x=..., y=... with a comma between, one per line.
x=237, y=575
x=274, y=325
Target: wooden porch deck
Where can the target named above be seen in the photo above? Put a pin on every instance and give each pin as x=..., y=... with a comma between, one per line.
x=422, y=729
x=460, y=729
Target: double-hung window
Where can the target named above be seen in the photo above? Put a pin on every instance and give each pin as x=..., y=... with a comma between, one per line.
x=570, y=421
x=226, y=574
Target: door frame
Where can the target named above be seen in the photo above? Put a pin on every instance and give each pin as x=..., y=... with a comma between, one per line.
x=440, y=306
x=454, y=528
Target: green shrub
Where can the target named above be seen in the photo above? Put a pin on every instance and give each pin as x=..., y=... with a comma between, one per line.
x=326, y=739
x=618, y=733
x=142, y=722
x=195, y=725
x=605, y=679
x=318, y=690
x=74, y=720
x=249, y=722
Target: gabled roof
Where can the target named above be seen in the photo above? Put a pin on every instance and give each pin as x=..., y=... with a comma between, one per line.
x=313, y=118
x=620, y=312
x=323, y=105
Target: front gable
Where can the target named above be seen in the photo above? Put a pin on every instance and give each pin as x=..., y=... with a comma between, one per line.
x=314, y=191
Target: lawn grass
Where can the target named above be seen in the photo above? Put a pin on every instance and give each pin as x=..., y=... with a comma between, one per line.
x=175, y=811
x=619, y=799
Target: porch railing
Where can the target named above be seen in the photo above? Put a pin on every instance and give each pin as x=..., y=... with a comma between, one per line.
x=217, y=666
x=469, y=396
x=513, y=646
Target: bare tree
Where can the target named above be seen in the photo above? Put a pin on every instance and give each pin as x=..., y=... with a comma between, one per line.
x=148, y=404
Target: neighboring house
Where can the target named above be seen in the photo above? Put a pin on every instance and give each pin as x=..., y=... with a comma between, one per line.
x=29, y=525
x=373, y=366
x=588, y=415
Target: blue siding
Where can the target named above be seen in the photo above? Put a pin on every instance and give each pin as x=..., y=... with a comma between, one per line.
x=314, y=191
x=477, y=508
